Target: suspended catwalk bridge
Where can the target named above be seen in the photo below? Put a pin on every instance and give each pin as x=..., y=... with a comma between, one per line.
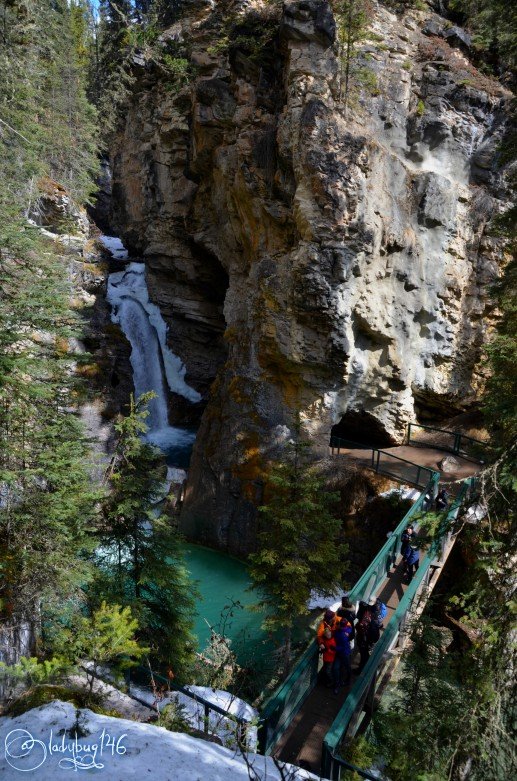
x=305, y=723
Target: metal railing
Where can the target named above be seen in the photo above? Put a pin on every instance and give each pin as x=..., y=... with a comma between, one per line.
x=283, y=705
x=142, y=676
x=451, y=441
x=360, y=699
x=280, y=709
x=367, y=585
x=382, y=462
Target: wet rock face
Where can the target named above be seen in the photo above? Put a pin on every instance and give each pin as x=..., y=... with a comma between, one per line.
x=308, y=257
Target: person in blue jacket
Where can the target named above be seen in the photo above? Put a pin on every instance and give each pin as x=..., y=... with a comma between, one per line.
x=407, y=537
x=342, y=671
x=411, y=561
x=379, y=613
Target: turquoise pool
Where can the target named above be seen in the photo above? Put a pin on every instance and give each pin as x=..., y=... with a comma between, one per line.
x=222, y=582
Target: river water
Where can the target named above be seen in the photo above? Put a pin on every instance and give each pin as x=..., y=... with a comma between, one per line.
x=222, y=581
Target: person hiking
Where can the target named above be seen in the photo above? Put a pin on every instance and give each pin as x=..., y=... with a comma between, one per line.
x=347, y=611
x=442, y=500
x=362, y=635
x=411, y=561
x=379, y=613
x=342, y=671
x=406, y=538
x=362, y=609
x=328, y=650
x=329, y=621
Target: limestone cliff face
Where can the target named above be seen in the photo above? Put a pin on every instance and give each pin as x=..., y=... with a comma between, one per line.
x=306, y=255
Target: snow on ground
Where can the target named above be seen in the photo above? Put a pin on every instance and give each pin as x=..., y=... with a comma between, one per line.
x=405, y=492
x=194, y=711
x=42, y=744
x=317, y=600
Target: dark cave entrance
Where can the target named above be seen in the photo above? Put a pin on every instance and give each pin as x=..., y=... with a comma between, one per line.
x=362, y=428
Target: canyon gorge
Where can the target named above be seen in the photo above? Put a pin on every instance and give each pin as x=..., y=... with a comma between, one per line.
x=314, y=257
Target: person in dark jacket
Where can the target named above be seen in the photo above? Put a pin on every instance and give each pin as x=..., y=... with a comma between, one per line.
x=411, y=561
x=342, y=672
x=362, y=636
x=407, y=537
x=347, y=612
x=442, y=500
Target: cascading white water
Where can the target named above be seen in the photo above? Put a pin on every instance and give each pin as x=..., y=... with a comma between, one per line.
x=153, y=362
x=145, y=357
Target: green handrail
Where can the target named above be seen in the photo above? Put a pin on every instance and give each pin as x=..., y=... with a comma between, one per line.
x=331, y=760
x=387, y=555
x=275, y=715
x=275, y=712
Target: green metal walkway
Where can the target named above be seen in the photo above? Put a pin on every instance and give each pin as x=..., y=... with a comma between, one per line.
x=305, y=723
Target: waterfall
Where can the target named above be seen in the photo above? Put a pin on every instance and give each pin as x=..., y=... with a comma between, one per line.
x=154, y=365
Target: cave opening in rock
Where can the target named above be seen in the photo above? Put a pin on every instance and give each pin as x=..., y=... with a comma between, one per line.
x=362, y=428
x=212, y=280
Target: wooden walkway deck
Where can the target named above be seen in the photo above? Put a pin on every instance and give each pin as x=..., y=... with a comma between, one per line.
x=301, y=744
x=423, y=456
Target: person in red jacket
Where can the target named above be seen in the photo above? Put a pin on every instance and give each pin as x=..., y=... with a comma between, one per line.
x=328, y=649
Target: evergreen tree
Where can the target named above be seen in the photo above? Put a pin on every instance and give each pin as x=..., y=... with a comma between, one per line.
x=48, y=127
x=47, y=508
x=494, y=24
x=300, y=550
x=107, y=637
x=140, y=555
x=352, y=22
x=111, y=77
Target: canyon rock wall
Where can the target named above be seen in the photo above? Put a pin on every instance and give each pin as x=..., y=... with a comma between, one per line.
x=309, y=255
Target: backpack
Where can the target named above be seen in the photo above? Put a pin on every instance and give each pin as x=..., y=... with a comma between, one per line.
x=380, y=613
x=363, y=628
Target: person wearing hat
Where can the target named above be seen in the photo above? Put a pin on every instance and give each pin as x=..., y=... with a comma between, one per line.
x=407, y=537
x=329, y=621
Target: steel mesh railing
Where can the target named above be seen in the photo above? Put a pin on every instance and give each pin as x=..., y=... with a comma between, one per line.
x=335, y=739
x=279, y=711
